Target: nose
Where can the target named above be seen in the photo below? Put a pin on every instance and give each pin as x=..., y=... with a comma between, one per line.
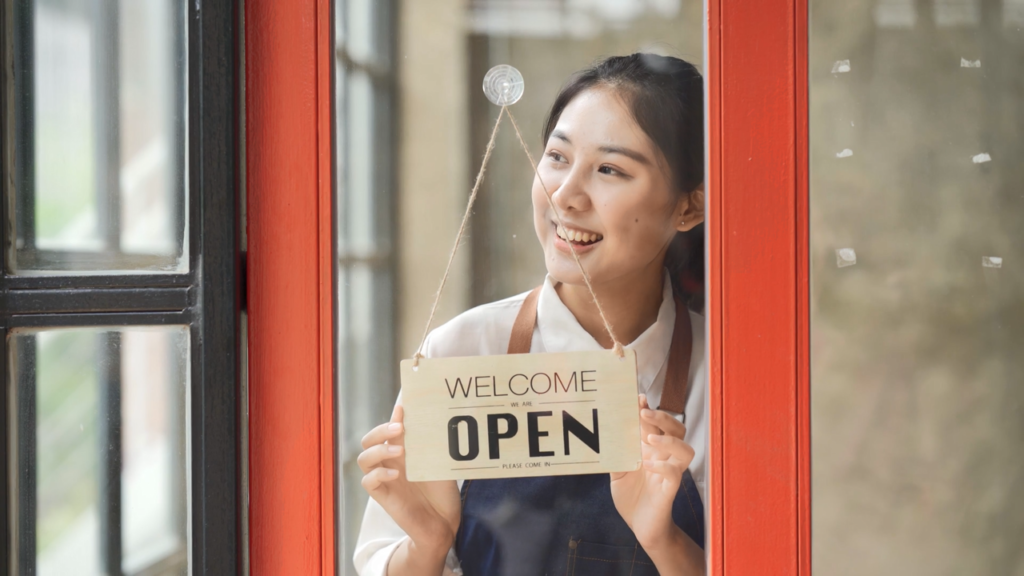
x=571, y=195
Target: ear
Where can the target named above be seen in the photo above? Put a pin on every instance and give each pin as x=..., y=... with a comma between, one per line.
x=690, y=210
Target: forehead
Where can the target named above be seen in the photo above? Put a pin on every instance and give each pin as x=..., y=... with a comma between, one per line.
x=601, y=117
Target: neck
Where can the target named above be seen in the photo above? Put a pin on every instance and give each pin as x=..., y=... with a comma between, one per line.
x=630, y=304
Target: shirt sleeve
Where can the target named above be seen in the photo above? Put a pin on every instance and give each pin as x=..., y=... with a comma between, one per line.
x=379, y=537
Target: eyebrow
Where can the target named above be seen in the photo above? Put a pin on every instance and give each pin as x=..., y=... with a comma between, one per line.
x=633, y=154
x=628, y=153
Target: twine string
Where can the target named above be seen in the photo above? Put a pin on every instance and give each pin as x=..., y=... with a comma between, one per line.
x=458, y=237
x=617, y=346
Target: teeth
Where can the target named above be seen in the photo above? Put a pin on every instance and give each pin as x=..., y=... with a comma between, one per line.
x=576, y=235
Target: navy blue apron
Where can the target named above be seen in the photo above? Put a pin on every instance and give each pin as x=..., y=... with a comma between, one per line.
x=564, y=525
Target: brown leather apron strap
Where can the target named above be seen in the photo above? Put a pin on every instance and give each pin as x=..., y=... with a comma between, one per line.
x=522, y=331
x=677, y=374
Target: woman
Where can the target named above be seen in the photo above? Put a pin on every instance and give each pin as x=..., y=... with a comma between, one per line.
x=624, y=163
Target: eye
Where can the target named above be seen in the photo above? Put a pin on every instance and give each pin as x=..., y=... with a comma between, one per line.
x=609, y=171
x=555, y=156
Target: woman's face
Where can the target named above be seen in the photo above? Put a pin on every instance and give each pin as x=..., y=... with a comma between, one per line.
x=613, y=190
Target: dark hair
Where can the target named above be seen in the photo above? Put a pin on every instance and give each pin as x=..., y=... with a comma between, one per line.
x=666, y=98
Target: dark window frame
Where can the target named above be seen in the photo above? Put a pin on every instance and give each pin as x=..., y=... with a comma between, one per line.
x=208, y=298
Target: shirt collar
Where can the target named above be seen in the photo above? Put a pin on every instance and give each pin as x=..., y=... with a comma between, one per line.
x=561, y=332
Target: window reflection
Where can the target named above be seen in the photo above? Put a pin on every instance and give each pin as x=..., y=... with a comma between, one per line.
x=97, y=115
x=99, y=446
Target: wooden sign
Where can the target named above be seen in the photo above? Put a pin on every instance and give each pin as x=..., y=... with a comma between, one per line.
x=520, y=415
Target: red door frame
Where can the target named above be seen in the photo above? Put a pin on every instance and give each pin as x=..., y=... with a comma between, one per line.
x=758, y=280
x=289, y=168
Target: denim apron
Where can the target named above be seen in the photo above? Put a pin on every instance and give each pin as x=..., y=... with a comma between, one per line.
x=564, y=525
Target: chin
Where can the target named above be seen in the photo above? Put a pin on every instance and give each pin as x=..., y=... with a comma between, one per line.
x=565, y=271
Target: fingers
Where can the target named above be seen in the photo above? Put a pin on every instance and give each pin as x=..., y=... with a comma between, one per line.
x=373, y=456
x=387, y=431
x=664, y=422
x=398, y=417
x=667, y=468
x=385, y=442
x=664, y=447
x=390, y=431
x=646, y=427
x=374, y=479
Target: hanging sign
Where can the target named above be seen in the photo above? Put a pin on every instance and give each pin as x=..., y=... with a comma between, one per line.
x=520, y=415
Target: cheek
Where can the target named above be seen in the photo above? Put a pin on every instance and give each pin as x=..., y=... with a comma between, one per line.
x=640, y=230
x=552, y=181
x=540, y=203
x=540, y=210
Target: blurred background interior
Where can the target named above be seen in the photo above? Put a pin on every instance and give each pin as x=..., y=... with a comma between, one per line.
x=917, y=254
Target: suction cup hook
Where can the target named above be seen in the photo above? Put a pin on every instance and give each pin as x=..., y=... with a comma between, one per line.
x=503, y=85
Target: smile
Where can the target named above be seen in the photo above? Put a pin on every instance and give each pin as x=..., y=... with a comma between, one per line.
x=578, y=237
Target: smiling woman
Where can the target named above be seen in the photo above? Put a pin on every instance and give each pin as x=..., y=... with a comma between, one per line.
x=613, y=191
x=624, y=155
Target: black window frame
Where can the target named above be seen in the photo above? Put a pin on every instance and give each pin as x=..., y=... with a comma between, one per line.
x=208, y=298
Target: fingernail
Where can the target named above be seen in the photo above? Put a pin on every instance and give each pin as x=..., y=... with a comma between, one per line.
x=392, y=473
x=647, y=413
x=395, y=426
x=394, y=449
x=653, y=438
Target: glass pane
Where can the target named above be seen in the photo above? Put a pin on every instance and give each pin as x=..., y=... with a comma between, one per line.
x=412, y=128
x=98, y=125
x=547, y=42
x=360, y=182
x=360, y=34
x=917, y=245
x=98, y=437
x=365, y=306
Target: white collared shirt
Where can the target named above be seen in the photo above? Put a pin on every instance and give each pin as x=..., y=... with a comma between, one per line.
x=486, y=330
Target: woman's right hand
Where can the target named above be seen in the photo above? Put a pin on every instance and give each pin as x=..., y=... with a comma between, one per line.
x=429, y=512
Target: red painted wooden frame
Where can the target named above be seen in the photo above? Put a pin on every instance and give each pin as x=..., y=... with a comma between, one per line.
x=759, y=521
x=759, y=505
x=290, y=286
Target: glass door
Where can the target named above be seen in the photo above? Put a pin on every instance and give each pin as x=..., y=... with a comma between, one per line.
x=917, y=276
x=412, y=125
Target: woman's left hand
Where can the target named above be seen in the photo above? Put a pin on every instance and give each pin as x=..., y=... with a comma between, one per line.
x=644, y=497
